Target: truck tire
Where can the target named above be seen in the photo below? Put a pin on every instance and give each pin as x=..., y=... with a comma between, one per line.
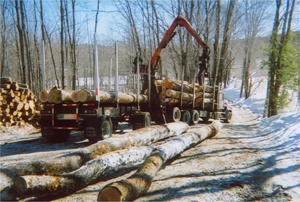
x=205, y=119
x=194, y=117
x=173, y=115
x=55, y=135
x=228, y=115
x=140, y=120
x=102, y=130
x=186, y=116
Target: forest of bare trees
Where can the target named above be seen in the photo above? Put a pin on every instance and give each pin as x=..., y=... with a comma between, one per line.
x=55, y=39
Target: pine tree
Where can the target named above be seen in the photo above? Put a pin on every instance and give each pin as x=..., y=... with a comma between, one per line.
x=282, y=62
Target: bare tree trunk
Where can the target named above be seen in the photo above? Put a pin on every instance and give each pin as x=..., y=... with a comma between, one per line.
x=35, y=85
x=53, y=60
x=21, y=40
x=216, y=43
x=254, y=11
x=28, y=60
x=225, y=44
x=3, y=38
x=72, y=46
x=62, y=44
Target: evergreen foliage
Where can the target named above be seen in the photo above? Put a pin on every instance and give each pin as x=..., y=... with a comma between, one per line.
x=283, y=65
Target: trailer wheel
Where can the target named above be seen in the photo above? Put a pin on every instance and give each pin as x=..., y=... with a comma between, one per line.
x=140, y=120
x=174, y=115
x=228, y=115
x=205, y=119
x=102, y=130
x=107, y=128
x=55, y=135
x=186, y=116
x=147, y=119
x=194, y=117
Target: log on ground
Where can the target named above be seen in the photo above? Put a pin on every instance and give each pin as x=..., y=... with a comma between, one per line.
x=36, y=185
x=74, y=160
x=139, y=183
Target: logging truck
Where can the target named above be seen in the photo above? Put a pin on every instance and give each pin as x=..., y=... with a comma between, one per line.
x=98, y=113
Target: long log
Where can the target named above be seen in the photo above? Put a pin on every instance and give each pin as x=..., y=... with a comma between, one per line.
x=139, y=183
x=175, y=102
x=106, y=97
x=88, y=95
x=206, y=100
x=74, y=160
x=142, y=98
x=35, y=185
x=187, y=88
x=176, y=85
x=177, y=94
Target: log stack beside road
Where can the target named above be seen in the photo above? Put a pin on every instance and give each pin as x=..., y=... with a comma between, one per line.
x=17, y=102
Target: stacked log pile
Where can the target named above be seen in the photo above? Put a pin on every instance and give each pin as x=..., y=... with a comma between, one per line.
x=56, y=95
x=17, y=102
x=191, y=92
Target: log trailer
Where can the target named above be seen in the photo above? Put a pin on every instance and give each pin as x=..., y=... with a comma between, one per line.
x=167, y=100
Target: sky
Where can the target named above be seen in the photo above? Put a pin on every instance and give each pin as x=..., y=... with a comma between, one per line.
x=109, y=19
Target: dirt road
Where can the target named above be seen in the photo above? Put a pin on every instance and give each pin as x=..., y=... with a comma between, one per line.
x=242, y=162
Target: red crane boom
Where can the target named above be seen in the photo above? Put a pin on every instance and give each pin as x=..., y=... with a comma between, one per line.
x=181, y=21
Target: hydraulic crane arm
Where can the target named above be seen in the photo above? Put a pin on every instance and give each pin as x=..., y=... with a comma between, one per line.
x=181, y=21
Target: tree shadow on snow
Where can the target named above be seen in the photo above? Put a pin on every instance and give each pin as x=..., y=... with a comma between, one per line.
x=40, y=144
x=256, y=176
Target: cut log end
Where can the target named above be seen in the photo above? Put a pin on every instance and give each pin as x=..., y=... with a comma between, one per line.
x=110, y=194
x=20, y=185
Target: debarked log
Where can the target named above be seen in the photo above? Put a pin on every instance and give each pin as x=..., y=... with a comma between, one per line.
x=139, y=183
x=36, y=185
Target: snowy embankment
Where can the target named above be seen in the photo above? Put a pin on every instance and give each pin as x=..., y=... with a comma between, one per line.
x=278, y=139
x=256, y=102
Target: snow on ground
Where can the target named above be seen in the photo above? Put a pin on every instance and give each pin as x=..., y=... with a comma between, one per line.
x=282, y=132
x=256, y=102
